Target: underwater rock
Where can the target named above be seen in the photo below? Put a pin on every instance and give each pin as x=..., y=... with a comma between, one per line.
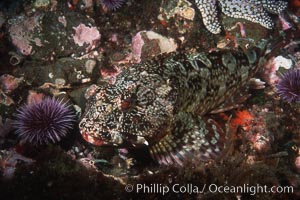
x=44, y=36
x=86, y=35
x=2, y=19
x=77, y=95
x=6, y=100
x=179, y=15
x=88, y=4
x=21, y=32
x=65, y=72
x=146, y=44
x=270, y=70
x=8, y=83
x=5, y=128
x=16, y=58
x=55, y=172
x=41, y=3
x=251, y=125
x=90, y=65
x=8, y=162
x=34, y=97
x=181, y=7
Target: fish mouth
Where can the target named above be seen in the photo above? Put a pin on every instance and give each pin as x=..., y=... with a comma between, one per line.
x=93, y=140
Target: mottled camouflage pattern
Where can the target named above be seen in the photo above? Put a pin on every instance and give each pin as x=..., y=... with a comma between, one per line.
x=162, y=102
x=256, y=11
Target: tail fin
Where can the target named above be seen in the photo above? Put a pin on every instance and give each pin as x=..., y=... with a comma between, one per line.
x=191, y=138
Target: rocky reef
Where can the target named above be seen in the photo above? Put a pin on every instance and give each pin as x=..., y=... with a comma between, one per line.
x=86, y=110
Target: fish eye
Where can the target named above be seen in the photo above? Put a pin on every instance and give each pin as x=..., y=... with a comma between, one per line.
x=106, y=135
x=127, y=102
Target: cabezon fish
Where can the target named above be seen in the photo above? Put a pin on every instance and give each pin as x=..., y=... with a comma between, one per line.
x=162, y=103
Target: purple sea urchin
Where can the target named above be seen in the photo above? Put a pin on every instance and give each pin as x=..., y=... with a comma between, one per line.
x=44, y=122
x=288, y=87
x=112, y=4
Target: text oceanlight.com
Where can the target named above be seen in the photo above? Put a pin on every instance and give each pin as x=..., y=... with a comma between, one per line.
x=212, y=188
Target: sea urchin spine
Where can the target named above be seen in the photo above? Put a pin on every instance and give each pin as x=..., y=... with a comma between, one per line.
x=44, y=122
x=112, y=4
x=288, y=87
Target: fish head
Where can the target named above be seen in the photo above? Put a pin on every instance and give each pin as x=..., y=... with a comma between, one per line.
x=136, y=109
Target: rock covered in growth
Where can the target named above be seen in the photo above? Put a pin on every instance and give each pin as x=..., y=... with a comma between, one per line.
x=5, y=128
x=41, y=3
x=86, y=35
x=47, y=35
x=21, y=31
x=270, y=71
x=149, y=43
x=8, y=83
x=65, y=72
x=252, y=10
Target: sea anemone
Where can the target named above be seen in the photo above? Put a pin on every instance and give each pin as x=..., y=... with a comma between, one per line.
x=44, y=122
x=288, y=87
x=112, y=4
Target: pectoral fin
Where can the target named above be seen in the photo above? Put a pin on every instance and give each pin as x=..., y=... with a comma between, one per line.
x=191, y=138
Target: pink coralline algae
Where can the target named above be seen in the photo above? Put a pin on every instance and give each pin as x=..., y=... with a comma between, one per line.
x=110, y=74
x=137, y=44
x=8, y=163
x=271, y=67
x=284, y=23
x=156, y=44
x=21, y=33
x=84, y=34
x=297, y=164
x=9, y=83
x=35, y=97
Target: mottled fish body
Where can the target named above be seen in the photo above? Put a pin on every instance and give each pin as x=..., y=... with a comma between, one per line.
x=162, y=103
